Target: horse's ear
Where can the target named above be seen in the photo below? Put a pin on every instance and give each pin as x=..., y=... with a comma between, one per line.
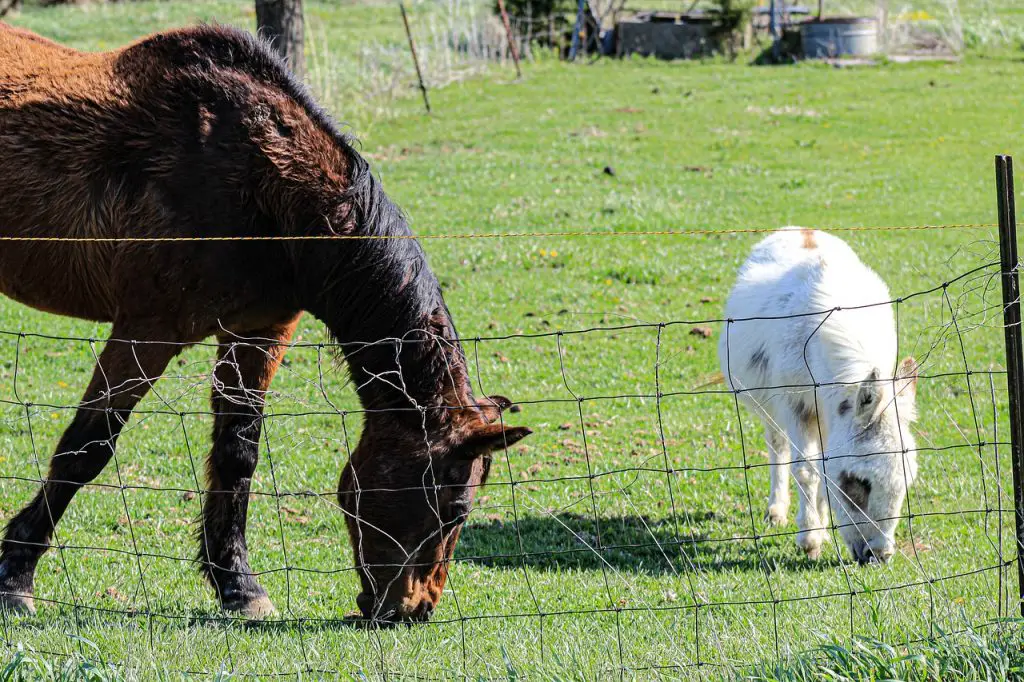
x=488, y=438
x=493, y=405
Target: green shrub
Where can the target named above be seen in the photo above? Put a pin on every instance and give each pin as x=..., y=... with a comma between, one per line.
x=537, y=10
x=730, y=16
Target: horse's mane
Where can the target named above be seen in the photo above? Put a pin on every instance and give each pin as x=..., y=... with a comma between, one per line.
x=205, y=46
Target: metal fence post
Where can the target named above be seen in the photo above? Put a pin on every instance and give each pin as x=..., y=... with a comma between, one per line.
x=511, y=37
x=415, y=59
x=576, y=32
x=1014, y=357
x=775, y=29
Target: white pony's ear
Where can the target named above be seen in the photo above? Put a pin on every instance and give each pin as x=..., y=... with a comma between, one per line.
x=906, y=378
x=868, y=401
x=906, y=389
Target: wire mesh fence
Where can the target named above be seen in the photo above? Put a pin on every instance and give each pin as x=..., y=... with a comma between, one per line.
x=627, y=536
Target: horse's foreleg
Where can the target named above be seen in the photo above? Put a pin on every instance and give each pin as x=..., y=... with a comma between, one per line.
x=241, y=379
x=125, y=371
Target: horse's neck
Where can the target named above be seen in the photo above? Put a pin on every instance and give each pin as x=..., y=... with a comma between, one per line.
x=418, y=373
x=380, y=299
x=398, y=340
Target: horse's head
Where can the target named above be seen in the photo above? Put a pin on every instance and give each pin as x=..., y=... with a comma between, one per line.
x=406, y=494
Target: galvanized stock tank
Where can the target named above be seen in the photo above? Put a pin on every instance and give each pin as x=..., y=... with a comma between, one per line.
x=839, y=36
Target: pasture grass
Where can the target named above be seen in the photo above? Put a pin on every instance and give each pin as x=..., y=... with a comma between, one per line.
x=969, y=656
x=601, y=545
x=995, y=656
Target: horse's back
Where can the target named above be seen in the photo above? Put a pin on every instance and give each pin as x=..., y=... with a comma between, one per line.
x=61, y=117
x=161, y=138
x=34, y=69
x=17, y=42
x=93, y=141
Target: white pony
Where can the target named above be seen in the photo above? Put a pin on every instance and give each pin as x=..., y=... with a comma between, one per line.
x=811, y=347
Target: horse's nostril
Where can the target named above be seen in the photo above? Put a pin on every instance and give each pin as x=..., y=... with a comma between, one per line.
x=422, y=612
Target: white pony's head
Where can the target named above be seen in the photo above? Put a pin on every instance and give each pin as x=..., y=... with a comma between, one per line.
x=871, y=459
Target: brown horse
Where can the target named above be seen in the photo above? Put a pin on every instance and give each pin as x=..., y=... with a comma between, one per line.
x=203, y=133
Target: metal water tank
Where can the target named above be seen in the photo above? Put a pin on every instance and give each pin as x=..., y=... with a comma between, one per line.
x=838, y=36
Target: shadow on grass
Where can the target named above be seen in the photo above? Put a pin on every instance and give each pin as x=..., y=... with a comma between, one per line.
x=627, y=543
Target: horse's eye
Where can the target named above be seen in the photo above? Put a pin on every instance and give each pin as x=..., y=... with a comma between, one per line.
x=460, y=485
x=459, y=509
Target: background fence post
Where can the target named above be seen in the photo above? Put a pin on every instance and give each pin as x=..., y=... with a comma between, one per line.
x=1014, y=357
x=511, y=38
x=415, y=59
x=575, y=46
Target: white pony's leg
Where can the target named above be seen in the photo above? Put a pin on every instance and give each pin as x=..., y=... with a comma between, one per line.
x=812, y=533
x=778, y=472
x=824, y=513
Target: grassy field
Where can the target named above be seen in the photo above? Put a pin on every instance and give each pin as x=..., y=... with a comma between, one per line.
x=617, y=549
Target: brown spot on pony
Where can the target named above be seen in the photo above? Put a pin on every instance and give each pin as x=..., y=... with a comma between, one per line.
x=202, y=132
x=809, y=241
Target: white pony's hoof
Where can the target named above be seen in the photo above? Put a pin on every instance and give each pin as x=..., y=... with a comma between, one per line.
x=776, y=515
x=811, y=543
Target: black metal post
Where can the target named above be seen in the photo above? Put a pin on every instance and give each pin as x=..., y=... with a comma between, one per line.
x=1014, y=348
x=575, y=46
x=415, y=59
x=776, y=30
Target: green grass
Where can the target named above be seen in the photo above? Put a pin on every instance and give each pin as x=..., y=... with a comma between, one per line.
x=995, y=656
x=972, y=655
x=694, y=146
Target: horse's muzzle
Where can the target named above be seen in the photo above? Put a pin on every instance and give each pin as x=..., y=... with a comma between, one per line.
x=404, y=611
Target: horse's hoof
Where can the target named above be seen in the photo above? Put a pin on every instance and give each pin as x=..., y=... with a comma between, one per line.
x=259, y=608
x=22, y=604
x=775, y=516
